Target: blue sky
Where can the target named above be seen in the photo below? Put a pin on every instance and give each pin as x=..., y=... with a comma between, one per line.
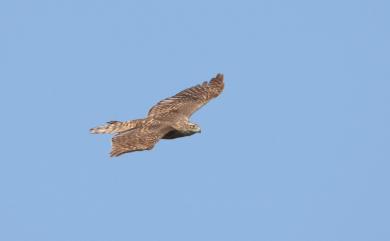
x=296, y=148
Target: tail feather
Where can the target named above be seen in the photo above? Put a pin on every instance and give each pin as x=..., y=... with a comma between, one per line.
x=116, y=126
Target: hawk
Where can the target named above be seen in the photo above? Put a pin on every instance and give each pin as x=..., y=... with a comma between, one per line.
x=168, y=119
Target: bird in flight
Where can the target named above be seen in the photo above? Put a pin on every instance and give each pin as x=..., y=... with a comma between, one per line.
x=168, y=119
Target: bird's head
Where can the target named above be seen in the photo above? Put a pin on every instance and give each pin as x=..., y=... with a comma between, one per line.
x=194, y=128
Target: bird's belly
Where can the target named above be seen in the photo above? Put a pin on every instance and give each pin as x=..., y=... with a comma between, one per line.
x=175, y=134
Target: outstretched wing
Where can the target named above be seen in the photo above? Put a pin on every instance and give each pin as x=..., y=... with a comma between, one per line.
x=138, y=139
x=190, y=100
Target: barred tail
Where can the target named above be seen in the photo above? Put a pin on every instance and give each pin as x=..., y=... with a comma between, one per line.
x=116, y=126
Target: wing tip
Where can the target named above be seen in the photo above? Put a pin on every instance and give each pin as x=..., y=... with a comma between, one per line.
x=116, y=151
x=219, y=76
x=114, y=154
x=217, y=84
x=217, y=79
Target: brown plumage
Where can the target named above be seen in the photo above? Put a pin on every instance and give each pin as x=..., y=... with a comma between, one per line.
x=168, y=119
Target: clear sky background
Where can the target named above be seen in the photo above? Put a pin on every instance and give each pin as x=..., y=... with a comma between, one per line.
x=296, y=148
